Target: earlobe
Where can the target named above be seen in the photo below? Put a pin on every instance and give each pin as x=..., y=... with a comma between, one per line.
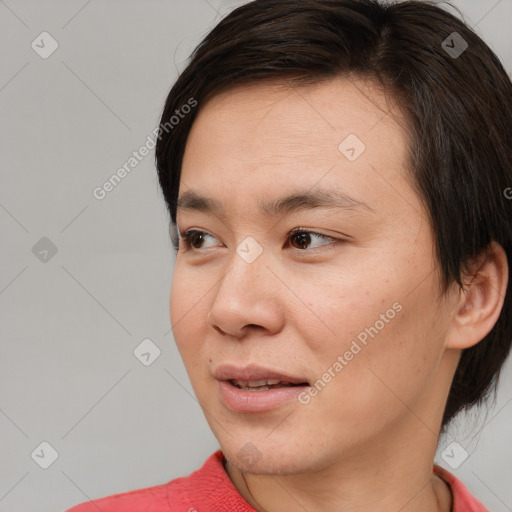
x=478, y=307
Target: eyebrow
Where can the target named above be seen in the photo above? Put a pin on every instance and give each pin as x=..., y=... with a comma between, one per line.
x=296, y=201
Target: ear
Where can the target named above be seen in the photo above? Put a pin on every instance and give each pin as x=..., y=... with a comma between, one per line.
x=478, y=308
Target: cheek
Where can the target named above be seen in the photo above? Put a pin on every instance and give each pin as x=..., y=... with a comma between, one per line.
x=188, y=319
x=177, y=299
x=187, y=311
x=397, y=358
x=378, y=323
x=343, y=309
x=377, y=379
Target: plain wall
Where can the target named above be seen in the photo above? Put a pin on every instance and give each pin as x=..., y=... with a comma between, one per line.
x=70, y=321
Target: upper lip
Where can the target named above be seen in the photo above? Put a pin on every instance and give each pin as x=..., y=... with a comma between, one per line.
x=253, y=372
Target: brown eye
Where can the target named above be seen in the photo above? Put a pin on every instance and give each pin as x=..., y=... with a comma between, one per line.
x=196, y=238
x=193, y=239
x=302, y=239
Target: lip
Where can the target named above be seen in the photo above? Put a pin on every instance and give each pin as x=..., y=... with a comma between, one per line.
x=254, y=372
x=241, y=400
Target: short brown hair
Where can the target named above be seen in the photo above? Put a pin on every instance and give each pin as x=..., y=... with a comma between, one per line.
x=459, y=110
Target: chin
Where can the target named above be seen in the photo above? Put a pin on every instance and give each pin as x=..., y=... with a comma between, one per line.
x=284, y=455
x=271, y=464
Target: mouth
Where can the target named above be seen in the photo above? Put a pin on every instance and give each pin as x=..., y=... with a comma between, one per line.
x=255, y=389
x=264, y=384
x=256, y=376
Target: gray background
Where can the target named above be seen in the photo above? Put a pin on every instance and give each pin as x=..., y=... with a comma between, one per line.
x=69, y=325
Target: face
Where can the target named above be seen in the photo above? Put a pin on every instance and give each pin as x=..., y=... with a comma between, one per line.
x=349, y=305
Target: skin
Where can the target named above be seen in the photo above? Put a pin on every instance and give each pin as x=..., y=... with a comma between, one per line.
x=366, y=441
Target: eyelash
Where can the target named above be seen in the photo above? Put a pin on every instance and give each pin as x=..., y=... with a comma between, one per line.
x=187, y=235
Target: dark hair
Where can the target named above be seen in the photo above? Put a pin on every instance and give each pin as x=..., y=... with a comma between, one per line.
x=458, y=109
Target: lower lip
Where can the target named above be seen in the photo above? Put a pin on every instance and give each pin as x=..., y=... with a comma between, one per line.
x=240, y=400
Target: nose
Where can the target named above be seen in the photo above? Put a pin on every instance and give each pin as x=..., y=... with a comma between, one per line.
x=248, y=299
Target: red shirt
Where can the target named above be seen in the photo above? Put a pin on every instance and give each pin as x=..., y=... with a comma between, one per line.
x=209, y=489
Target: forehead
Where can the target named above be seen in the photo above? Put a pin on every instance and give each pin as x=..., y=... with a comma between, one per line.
x=267, y=138
x=335, y=105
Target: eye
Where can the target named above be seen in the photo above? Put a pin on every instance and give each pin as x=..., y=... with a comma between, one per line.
x=303, y=237
x=192, y=237
x=300, y=239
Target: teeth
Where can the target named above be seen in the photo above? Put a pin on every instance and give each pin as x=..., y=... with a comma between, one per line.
x=258, y=384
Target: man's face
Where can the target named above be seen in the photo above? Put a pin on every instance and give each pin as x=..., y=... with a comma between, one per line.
x=351, y=306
